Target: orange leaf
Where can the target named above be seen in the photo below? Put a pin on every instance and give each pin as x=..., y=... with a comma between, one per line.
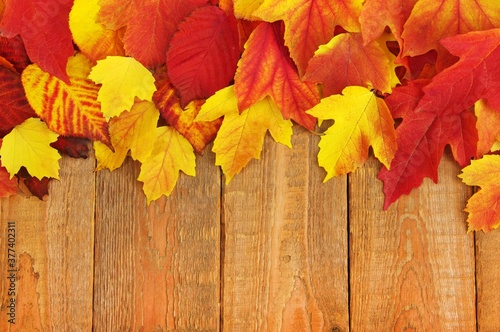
x=310, y=23
x=484, y=206
x=68, y=109
x=266, y=69
x=488, y=126
x=377, y=14
x=432, y=20
x=345, y=61
x=199, y=134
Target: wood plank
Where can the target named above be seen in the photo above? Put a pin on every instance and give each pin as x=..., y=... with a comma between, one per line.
x=54, y=253
x=412, y=267
x=157, y=266
x=488, y=281
x=285, y=263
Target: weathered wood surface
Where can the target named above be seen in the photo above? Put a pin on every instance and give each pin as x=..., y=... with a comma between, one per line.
x=275, y=250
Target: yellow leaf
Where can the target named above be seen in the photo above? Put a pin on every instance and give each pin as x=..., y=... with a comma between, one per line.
x=361, y=120
x=171, y=153
x=28, y=145
x=92, y=38
x=122, y=79
x=133, y=130
x=68, y=109
x=241, y=136
x=244, y=8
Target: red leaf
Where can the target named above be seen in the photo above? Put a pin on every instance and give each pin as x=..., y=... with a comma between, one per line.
x=44, y=28
x=39, y=188
x=13, y=50
x=266, y=69
x=75, y=147
x=203, y=54
x=150, y=25
x=405, y=98
x=14, y=107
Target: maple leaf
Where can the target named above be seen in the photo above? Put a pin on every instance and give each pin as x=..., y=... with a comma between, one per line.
x=68, y=109
x=488, y=126
x=92, y=38
x=431, y=21
x=310, y=23
x=133, y=130
x=12, y=49
x=243, y=9
x=203, y=53
x=361, y=120
x=484, y=206
x=44, y=28
x=146, y=39
x=345, y=61
x=199, y=134
x=8, y=185
x=28, y=145
x=122, y=79
x=14, y=107
x=441, y=118
x=39, y=188
x=171, y=153
x=265, y=69
x=241, y=136
x=376, y=15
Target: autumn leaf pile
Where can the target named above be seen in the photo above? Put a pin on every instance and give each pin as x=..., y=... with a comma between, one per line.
x=157, y=80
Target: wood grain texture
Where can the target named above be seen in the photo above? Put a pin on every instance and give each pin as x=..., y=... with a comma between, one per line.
x=411, y=267
x=157, y=267
x=488, y=281
x=285, y=261
x=54, y=252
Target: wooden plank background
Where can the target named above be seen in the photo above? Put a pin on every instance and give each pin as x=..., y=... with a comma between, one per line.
x=275, y=250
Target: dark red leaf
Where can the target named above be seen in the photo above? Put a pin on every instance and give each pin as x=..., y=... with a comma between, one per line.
x=75, y=147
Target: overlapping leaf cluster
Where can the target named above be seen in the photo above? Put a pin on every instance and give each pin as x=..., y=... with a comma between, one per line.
x=158, y=80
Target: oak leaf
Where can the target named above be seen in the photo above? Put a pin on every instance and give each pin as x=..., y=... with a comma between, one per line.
x=361, y=120
x=132, y=130
x=14, y=107
x=484, y=206
x=92, y=38
x=28, y=145
x=68, y=109
x=122, y=79
x=44, y=28
x=171, y=153
x=203, y=53
x=266, y=69
x=310, y=23
x=345, y=61
x=241, y=136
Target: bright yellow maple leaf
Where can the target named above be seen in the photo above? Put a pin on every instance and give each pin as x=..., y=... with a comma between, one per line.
x=68, y=109
x=171, y=153
x=28, y=145
x=484, y=206
x=241, y=136
x=122, y=79
x=244, y=9
x=92, y=38
x=133, y=130
x=361, y=120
